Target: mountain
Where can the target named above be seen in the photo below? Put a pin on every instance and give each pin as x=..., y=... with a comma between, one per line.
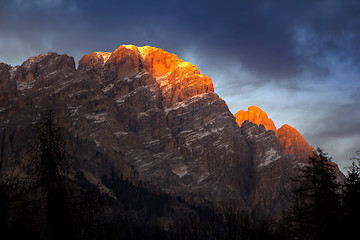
x=143, y=115
x=291, y=141
x=255, y=115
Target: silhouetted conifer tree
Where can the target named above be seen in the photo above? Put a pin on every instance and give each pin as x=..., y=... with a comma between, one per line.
x=16, y=215
x=315, y=202
x=351, y=199
x=49, y=168
x=2, y=148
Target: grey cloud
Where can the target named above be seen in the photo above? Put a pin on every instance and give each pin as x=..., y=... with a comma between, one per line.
x=335, y=127
x=336, y=120
x=258, y=36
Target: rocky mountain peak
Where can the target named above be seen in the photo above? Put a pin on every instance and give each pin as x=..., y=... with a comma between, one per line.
x=157, y=61
x=255, y=115
x=50, y=58
x=41, y=70
x=177, y=79
x=293, y=143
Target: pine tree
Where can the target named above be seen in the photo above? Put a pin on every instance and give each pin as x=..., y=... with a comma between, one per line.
x=2, y=148
x=48, y=155
x=351, y=199
x=315, y=202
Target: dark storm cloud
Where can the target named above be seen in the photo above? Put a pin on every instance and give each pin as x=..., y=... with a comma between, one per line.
x=32, y=27
x=283, y=39
x=242, y=45
x=273, y=40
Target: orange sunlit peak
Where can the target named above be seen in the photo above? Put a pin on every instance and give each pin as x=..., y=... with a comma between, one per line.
x=144, y=50
x=255, y=115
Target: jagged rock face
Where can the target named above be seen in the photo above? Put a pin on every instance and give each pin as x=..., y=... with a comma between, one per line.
x=271, y=169
x=146, y=115
x=290, y=139
x=277, y=154
x=255, y=115
x=170, y=113
x=7, y=87
x=178, y=80
x=293, y=143
x=139, y=112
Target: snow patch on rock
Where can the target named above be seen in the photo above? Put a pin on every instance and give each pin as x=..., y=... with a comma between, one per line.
x=97, y=118
x=180, y=170
x=271, y=156
x=12, y=71
x=25, y=86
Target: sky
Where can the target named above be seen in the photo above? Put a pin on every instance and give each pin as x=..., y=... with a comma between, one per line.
x=297, y=60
